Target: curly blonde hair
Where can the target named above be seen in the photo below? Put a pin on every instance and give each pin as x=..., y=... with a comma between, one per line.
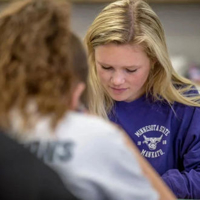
x=36, y=61
x=134, y=22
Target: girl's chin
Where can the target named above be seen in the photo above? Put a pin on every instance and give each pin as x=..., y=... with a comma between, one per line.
x=118, y=98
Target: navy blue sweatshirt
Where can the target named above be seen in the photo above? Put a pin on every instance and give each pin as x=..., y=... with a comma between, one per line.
x=168, y=137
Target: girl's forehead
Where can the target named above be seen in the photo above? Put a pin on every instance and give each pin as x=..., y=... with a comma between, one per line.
x=115, y=49
x=120, y=55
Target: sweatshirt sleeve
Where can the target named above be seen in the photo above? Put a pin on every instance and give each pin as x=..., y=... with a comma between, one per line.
x=185, y=182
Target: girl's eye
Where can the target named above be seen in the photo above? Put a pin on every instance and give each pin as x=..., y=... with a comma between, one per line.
x=106, y=68
x=131, y=71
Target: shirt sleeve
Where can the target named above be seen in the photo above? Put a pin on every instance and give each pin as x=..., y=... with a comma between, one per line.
x=104, y=168
x=185, y=182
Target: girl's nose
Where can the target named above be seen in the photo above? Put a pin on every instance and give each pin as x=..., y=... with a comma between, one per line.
x=117, y=78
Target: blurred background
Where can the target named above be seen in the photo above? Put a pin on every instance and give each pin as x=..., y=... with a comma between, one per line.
x=180, y=19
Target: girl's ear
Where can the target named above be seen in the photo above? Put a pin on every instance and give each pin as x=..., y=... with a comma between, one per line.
x=78, y=90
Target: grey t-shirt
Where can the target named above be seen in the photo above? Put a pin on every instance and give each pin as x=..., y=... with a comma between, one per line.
x=91, y=157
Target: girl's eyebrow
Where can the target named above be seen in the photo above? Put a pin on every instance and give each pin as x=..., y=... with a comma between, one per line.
x=101, y=63
x=131, y=66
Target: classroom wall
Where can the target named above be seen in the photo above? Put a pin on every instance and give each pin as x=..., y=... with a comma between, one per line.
x=181, y=23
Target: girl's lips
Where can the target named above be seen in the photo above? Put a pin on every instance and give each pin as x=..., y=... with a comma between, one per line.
x=118, y=90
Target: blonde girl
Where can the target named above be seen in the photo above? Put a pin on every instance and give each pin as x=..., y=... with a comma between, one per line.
x=132, y=82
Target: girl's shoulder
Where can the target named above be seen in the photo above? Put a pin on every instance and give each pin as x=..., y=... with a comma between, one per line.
x=187, y=90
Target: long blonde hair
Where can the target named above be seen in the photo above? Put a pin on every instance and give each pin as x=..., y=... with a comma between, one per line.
x=38, y=59
x=134, y=22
